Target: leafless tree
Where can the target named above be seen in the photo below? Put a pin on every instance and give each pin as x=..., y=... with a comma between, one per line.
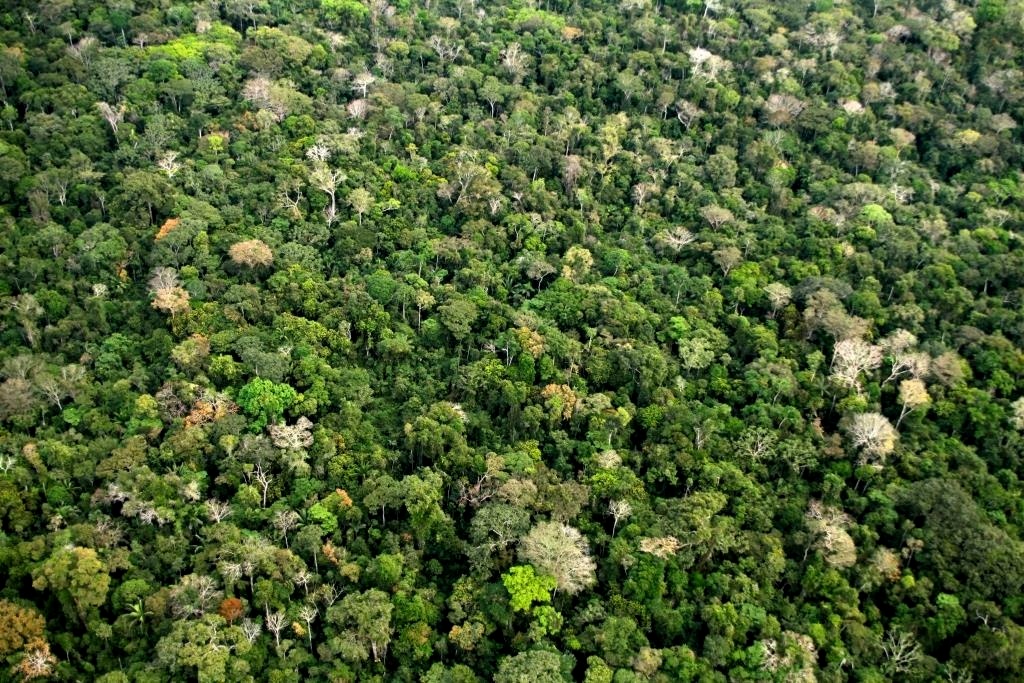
x=641, y=191
x=358, y=108
x=781, y=108
x=52, y=388
x=619, y=510
x=326, y=180
x=264, y=479
x=308, y=613
x=168, y=163
x=231, y=571
x=303, y=578
x=217, y=510
x=318, y=153
x=707, y=66
x=285, y=521
x=716, y=216
x=757, y=443
x=112, y=115
x=261, y=92
x=829, y=528
x=193, y=595
x=901, y=650
x=913, y=363
x=251, y=629
x=675, y=239
x=779, y=296
x=275, y=624
x=872, y=433
x=328, y=593
x=688, y=113
x=727, y=258
x=572, y=169
x=362, y=82
x=514, y=60
x=294, y=437
x=561, y=551
x=163, y=278
x=851, y=357
x=447, y=50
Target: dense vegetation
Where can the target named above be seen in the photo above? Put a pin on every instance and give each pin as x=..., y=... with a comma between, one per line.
x=456, y=341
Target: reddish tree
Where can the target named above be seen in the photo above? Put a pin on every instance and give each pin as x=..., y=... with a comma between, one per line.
x=230, y=609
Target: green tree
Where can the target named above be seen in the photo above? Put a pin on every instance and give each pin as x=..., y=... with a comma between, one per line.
x=532, y=666
x=77, y=576
x=362, y=626
x=525, y=587
x=265, y=401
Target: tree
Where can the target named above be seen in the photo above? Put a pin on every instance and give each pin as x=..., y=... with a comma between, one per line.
x=202, y=643
x=361, y=201
x=873, y=434
x=495, y=527
x=619, y=510
x=79, y=578
x=275, y=624
x=112, y=115
x=19, y=627
x=168, y=295
x=363, y=626
x=901, y=650
x=688, y=113
x=362, y=82
x=285, y=521
x=493, y=92
x=566, y=309
x=560, y=551
x=782, y=108
x=37, y=662
x=251, y=253
x=532, y=666
x=829, y=528
x=265, y=401
x=716, y=216
x=1017, y=417
x=231, y=609
x=526, y=587
x=913, y=395
x=850, y=358
x=308, y=614
x=727, y=258
x=779, y=296
x=292, y=437
x=675, y=239
x=326, y=180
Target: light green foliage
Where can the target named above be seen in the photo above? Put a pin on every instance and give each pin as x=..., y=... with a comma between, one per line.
x=344, y=10
x=526, y=587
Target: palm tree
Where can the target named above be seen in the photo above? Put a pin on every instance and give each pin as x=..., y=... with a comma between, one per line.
x=136, y=615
